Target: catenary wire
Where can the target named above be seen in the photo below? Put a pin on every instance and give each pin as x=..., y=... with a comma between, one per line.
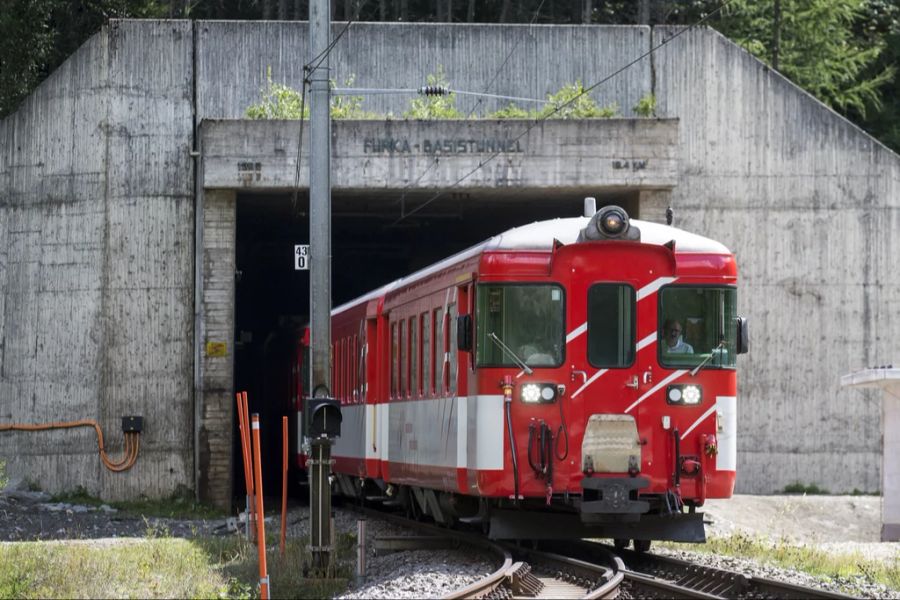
x=459, y=125
x=540, y=120
x=321, y=56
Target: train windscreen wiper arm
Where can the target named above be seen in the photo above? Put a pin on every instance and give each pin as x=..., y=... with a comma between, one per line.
x=708, y=358
x=515, y=357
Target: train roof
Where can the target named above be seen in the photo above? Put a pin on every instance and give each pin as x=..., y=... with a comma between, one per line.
x=539, y=237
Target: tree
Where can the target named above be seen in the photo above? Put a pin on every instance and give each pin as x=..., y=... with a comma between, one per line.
x=815, y=46
x=26, y=43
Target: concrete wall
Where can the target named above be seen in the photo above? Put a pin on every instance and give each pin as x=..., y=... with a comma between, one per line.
x=234, y=57
x=810, y=204
x=215, y=422
x=96, y=221
x=97, y=226
x=575, y=156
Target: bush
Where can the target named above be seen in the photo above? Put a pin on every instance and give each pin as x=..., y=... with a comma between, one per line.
x=510, y=111
x=573, y=102
x=646, y=106
x=799, y=488
x=283, y=102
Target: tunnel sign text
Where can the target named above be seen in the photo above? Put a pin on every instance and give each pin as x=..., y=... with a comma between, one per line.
x=301, y=257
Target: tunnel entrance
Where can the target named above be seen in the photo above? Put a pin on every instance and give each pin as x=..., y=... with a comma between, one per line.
x=375, y=239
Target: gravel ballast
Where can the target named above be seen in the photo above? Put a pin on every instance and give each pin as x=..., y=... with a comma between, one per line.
x=843, y=526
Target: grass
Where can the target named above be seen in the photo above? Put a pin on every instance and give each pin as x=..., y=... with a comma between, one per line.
x=161, y=567
x=782, y=553
x=177, y=506
x=800, y=488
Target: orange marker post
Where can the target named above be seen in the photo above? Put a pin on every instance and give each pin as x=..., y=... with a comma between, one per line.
x=244, y=426
x=260, y=515
x=284, y=480
x=251, y=508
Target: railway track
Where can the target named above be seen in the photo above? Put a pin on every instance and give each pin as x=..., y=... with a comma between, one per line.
x=682, y=579
x=593, y=570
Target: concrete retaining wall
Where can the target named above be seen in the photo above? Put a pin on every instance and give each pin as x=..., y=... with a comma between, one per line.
x=97, y=226
x=96, y=229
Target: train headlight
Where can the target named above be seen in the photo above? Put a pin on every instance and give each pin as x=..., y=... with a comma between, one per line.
x=531, y=392
x=686, y=395
x=612, y=223
x=691, y=394
x=538, y=393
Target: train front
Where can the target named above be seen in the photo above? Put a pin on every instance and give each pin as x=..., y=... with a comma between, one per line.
x=616, y=356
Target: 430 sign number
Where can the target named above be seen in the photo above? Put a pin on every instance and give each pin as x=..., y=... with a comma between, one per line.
x=301, y=257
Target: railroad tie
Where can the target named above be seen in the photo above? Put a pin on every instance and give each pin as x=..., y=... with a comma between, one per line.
x=522, y=581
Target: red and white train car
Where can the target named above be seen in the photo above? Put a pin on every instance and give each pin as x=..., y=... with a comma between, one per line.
x=566, y=378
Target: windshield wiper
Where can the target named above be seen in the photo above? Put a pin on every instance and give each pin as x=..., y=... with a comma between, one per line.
x=708, y=358
x=519, y=362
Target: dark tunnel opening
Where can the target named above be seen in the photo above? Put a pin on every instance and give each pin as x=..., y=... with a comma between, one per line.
x=373, y=243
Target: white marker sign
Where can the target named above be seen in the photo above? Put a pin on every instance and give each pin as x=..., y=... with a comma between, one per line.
x=301, y=257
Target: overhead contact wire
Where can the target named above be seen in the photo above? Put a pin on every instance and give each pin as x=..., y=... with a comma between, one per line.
x=436, y=159
x=564, y=105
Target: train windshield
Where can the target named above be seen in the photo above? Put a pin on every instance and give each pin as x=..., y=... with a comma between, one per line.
x=697, y=324
x=527, y=318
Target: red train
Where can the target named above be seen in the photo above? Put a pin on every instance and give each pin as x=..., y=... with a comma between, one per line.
x=568, y=378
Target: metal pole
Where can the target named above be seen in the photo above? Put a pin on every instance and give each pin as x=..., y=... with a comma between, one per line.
x=320, y=269
x=320, y=194
x=360, y=551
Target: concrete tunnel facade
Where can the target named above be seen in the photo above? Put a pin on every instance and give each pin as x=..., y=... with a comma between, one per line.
x=119, y=177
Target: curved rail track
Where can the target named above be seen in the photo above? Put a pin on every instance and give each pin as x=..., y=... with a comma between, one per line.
x=594, y=570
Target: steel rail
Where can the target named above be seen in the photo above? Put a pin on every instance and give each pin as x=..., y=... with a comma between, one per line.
x=711, y=581
x=599, y=581
x=476, y=589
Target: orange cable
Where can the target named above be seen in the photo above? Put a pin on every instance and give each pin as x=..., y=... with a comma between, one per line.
x=131, y=444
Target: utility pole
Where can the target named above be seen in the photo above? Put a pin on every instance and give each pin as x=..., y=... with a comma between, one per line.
x=320, y=406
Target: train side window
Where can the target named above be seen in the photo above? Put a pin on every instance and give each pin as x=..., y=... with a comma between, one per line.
x=404, y=357
x=453, y=352
x=344, y=369
x=611, y=325
x=414, y=355
x=335, y=355
x=354, y=342
x=427, y=353
x=395, y=360
x=439, y=364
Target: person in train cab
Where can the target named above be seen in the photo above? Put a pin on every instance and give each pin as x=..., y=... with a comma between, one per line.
x=674, y=343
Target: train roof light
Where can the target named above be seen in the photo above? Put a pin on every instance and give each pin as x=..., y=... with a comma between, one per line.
x=610, y=223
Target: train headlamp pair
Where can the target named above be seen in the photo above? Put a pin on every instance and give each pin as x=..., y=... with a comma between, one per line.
x=537, y=393
x=686, y=395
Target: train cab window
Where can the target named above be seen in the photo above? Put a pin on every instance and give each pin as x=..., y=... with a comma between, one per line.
x=526, y=318
x=427, y=353
x=697, y=324
x=610, y=325
x=451, y=312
